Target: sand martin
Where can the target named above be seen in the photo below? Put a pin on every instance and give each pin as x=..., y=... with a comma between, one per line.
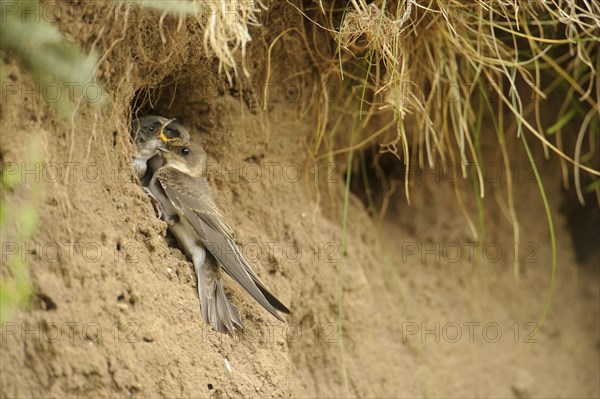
x=181, y=187
x=146, y=131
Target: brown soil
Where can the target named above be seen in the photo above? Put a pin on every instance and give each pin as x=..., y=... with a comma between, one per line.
x=119, y=315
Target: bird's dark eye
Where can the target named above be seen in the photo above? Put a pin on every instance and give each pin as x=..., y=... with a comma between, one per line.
x=153, y=127
x=185, y=151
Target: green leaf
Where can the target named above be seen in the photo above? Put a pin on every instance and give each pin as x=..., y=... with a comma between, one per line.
x=561, y=122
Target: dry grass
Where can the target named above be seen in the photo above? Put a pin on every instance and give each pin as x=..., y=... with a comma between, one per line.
x=427, y=73
x=428, y=61
x=458, y=47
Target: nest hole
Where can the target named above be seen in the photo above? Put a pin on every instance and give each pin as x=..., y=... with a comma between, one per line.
x=375, y=177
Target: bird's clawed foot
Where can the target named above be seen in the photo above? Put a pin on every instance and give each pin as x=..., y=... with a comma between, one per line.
x=159, y=209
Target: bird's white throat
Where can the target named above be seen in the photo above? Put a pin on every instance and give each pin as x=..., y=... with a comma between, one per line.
x=179, y=165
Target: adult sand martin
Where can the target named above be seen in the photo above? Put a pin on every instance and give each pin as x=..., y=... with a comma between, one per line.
x=145, y=131
x=181, y=187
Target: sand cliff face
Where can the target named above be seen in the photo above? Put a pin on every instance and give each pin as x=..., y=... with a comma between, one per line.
x=425, y=312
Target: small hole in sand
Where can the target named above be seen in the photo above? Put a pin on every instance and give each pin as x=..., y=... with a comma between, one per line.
x=46, y=303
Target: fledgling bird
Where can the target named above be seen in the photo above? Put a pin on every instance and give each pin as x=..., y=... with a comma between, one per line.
x=146, y=131
x=181, y=187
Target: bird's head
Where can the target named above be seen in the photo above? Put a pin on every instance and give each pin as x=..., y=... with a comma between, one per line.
x=152, y=127
x=183, y=155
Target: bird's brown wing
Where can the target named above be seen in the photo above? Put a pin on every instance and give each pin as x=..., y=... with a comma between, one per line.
x=192, y=197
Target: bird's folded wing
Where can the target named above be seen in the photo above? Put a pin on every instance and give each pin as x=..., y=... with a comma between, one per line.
x=193, y=199
x=268, y=295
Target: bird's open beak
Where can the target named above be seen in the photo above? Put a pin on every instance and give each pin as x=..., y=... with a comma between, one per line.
x=161, y=135
x=162, y=147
